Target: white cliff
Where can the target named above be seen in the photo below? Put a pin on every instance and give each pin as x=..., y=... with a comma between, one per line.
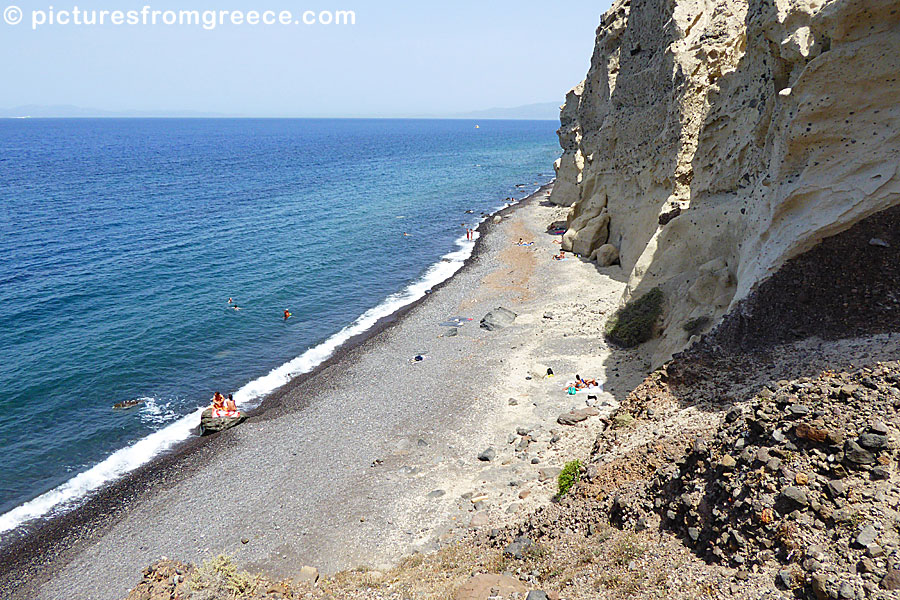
x=713, y=140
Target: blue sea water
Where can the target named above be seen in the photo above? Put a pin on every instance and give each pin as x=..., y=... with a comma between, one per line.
x=121, y=242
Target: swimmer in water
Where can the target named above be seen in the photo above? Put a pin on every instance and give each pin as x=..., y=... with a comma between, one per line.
x=235, y=307
x=287, y=314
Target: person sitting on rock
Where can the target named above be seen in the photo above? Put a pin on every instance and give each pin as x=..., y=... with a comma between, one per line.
x=218, y=402
x=230, y=406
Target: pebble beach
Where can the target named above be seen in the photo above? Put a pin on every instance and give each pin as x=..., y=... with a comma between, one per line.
x=375, y=455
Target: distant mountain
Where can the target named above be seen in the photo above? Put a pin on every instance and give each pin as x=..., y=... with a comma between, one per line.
x=542, y=111
x=63, y=111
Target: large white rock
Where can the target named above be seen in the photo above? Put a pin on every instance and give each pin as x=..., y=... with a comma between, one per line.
x=689, y=114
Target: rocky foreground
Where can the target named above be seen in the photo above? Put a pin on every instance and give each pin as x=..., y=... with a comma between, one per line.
x=793, y=491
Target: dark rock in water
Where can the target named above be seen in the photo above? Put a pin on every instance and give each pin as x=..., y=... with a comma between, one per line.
x=517, y=547
x=498, y=319
x=210, y=424
x=127, y=404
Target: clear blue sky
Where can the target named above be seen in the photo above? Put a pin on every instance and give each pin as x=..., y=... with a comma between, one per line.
x=401, y=58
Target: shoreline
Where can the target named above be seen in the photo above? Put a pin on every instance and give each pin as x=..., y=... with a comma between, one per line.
x=30, y=548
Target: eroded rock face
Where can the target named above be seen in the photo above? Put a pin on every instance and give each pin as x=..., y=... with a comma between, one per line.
x=713, y=141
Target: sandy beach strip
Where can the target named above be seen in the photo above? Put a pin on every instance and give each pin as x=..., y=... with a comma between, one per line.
x=374, y=455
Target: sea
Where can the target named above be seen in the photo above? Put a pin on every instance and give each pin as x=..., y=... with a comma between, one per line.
x=122, y=242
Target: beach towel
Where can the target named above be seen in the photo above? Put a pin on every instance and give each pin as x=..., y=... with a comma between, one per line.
x=455, y=321
x=218, y=413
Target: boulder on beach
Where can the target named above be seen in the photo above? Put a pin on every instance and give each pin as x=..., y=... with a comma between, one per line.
x=573, y=417
x=210, y=424
x=498, y=319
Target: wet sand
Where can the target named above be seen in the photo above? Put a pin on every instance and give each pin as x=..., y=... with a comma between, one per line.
x=372, y=456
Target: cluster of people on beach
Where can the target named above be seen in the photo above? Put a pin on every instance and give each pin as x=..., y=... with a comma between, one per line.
x=222, y=406
x=580, y=384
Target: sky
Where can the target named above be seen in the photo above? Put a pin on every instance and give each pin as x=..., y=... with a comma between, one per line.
x=409, y=58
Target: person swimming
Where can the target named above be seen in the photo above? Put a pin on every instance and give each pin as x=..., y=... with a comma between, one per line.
x=287, y=314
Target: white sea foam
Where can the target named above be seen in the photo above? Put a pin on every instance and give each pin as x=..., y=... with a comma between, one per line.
x=123, y=461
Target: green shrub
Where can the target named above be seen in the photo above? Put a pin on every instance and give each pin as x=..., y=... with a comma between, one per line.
x=570, y=474
x=633, y=324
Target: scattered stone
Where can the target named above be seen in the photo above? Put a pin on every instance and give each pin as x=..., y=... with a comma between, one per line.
x=576, y=416
x=855, y=454
x=880, y=473
x=487, y=455
x=728, y=462
x=867, y=536
x=479, y=519
x=795, y=497
x=891, y=581
x=537, y=595
x=879, y=243
x=835, y=488
x=480, y=587
x=308, y=575
x=873, y=441
x=436, y=494
x=798, y=410
x=548, y=473
x=517, y=548
x=802, y=430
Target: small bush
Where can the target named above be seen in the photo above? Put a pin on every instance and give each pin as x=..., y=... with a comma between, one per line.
x=633, y=324
x=221, y=574
x=570, y=474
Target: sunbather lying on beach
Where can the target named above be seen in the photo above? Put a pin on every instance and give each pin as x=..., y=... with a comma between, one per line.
x=584, y=383
x=560, y=256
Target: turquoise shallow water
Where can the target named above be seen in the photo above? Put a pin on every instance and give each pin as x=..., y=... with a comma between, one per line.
x=122, y=240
